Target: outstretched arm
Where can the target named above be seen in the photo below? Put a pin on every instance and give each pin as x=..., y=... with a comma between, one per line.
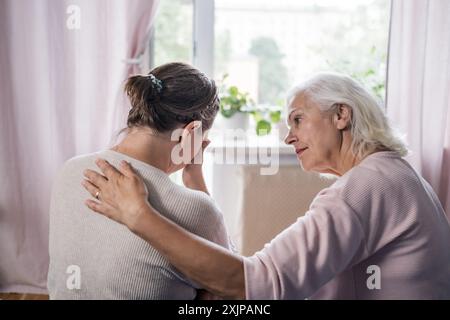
x=123, y=197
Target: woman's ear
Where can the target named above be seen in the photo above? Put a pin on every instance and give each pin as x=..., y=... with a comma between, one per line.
x=343, y=117
x=205, y=135
x=190, y=141
x=191, y=129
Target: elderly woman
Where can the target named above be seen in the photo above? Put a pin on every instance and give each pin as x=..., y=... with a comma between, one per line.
x=379, y=232
x=92, y=257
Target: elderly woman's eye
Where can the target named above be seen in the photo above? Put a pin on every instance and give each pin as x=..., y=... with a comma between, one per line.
x=297, y=120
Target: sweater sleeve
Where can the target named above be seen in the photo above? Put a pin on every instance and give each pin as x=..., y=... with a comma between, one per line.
x=212, y=227
x=209, y=225
x=309, y=253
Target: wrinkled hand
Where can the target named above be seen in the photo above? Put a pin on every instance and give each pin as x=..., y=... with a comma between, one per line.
x=122, y=194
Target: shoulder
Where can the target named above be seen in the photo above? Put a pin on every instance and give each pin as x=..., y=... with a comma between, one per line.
x=385, y=195
x=379, y=178
x=72, y=168
x=384, y=192
x=378, y=189
x=80, y=161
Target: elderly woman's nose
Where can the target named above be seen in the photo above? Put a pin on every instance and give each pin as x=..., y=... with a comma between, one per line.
x=290, y=138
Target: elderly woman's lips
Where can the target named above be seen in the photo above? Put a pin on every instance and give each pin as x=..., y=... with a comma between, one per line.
x=300, y=151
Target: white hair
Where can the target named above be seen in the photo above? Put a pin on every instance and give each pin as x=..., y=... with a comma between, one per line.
x=370, y=127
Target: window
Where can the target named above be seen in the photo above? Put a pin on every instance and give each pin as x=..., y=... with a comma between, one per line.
x=267, y=46
x=172, y=38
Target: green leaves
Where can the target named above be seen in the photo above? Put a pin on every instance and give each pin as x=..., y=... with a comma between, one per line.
x=226, y=111
x=264, y=119
x=233, y=100
x=234, y=91
x=263, y=127
x=275, y=116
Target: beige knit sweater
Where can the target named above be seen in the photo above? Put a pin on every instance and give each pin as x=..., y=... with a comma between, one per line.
x=93, y=257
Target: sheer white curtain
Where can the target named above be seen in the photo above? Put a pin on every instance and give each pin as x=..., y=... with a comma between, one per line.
x=62, y=66
x=418, y=90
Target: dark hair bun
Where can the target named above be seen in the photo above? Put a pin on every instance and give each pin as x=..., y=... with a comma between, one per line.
x=171, y=95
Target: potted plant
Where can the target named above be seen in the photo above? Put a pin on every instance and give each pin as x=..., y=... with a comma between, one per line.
x=264, y=117
x=236, y=106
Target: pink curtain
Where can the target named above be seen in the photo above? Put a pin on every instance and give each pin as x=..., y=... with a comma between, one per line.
x=59, y=87
x=418, y=91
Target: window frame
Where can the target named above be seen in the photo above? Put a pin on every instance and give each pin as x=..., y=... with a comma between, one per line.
x=202, y=38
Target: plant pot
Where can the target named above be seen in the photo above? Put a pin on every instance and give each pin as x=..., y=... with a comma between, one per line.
x=239, y=120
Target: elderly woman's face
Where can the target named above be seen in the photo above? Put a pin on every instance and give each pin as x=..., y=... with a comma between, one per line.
x=313, y=134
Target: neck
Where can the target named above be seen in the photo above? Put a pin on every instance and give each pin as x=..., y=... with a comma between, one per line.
x=145, y=145
x=345, y=159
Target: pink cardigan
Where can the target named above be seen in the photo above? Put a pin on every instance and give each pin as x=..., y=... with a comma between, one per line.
x=379, y=232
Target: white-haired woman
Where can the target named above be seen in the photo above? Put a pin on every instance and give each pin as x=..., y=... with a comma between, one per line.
x=379, y=232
